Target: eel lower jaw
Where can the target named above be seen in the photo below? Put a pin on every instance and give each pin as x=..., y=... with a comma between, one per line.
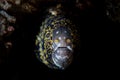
x=62, y=62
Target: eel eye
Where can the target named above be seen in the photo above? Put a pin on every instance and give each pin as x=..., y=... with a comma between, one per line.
x=56, y=40
x=68, y=40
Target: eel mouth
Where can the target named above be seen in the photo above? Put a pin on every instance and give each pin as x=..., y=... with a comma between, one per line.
x=62, y=57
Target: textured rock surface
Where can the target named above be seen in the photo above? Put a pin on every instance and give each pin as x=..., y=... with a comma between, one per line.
x=113, y=10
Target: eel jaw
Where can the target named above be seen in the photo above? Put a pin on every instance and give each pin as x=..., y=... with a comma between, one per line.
x=62, y=57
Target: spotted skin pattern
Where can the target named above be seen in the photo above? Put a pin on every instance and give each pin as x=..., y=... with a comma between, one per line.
x=44, y=38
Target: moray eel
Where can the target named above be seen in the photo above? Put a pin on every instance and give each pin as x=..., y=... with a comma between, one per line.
x=55, y=42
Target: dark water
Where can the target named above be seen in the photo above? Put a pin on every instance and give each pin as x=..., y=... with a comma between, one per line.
x=96, y=34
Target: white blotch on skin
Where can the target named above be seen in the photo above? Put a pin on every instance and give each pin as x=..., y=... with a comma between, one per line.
x=64, y=37
x=58, y=51
x=61, y=57
x=57, y=32
x=59, y=38
x=57, y=47
x=57, y=64
x=65, y=31
x=58, y=57
x=69, y=48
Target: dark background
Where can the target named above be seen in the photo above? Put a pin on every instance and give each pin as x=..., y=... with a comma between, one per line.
x=94, y=59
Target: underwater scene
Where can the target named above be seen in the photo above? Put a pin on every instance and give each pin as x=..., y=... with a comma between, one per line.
x=57, y=39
